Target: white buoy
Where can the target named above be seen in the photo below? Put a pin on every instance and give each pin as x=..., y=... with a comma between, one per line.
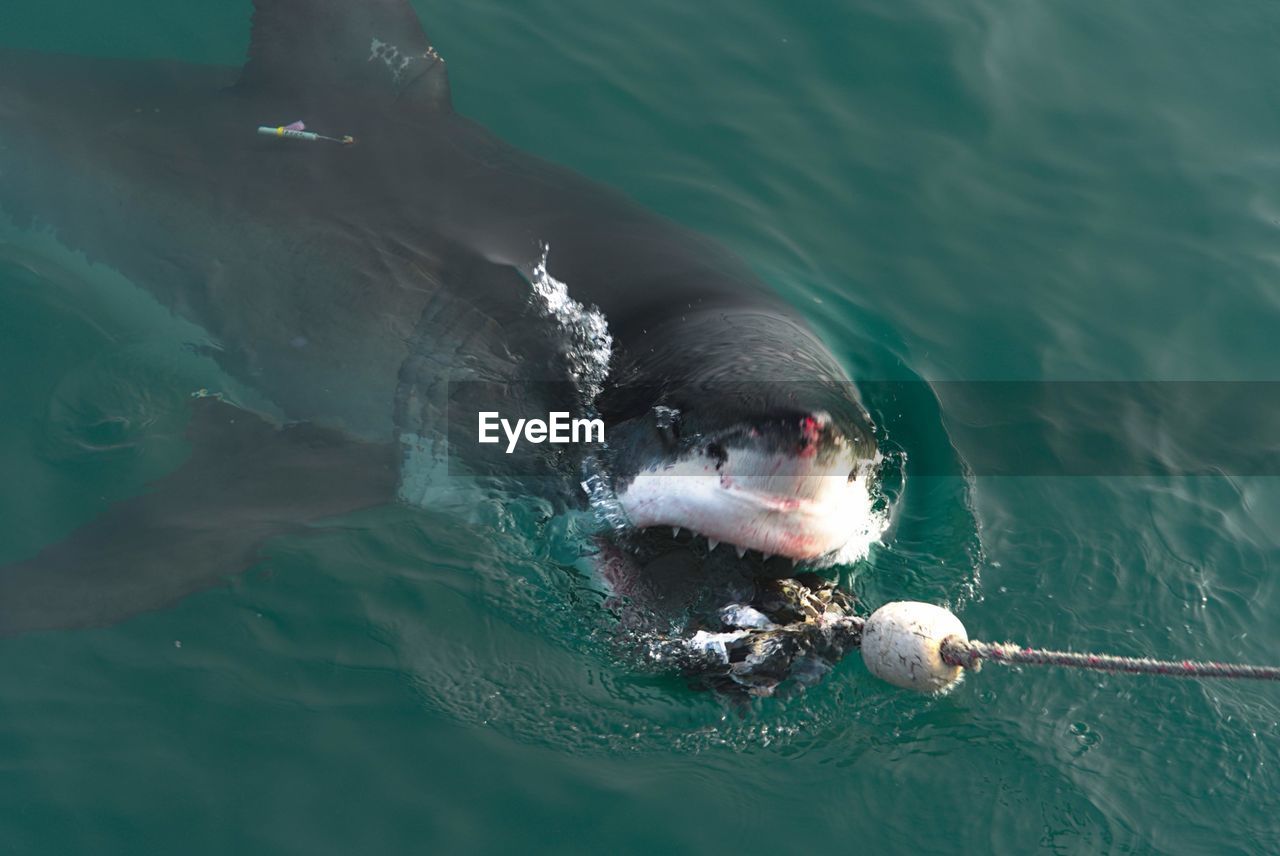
x=901, y=642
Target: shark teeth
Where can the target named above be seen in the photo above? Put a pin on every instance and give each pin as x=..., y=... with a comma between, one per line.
x=713, y=543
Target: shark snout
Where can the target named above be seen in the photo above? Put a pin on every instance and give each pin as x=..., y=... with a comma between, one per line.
x=795, y=487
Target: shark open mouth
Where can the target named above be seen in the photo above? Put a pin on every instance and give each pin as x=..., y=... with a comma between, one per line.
x=800, y=494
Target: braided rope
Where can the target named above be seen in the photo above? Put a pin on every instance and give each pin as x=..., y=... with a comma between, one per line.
x=970, y=654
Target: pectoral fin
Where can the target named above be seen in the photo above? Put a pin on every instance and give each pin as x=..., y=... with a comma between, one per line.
x=245, y=482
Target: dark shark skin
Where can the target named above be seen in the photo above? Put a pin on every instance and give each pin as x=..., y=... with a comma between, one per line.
x=347, y=283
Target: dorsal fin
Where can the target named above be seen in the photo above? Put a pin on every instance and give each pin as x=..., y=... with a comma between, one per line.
x=371, y=49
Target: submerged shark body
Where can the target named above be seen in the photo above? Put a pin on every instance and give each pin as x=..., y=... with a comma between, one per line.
x=350, y=284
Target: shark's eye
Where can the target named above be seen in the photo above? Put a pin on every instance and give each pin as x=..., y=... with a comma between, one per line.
x=717, y=453
x=667, y=421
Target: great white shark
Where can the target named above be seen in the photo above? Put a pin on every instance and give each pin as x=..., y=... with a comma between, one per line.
x=349, y=284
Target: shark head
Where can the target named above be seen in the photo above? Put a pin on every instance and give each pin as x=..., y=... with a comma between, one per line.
x=754, y=441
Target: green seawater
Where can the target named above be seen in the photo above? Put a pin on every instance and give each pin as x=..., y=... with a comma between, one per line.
x=969, y=190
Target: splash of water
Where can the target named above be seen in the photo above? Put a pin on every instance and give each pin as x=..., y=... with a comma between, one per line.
x=588, y=351
x=589, y=344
